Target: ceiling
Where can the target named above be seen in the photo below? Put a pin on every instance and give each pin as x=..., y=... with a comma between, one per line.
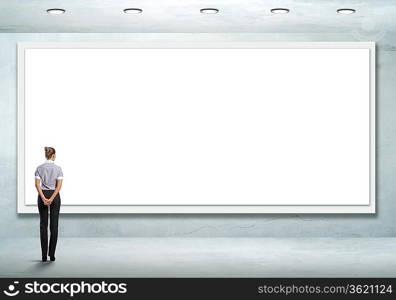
x=372, y=20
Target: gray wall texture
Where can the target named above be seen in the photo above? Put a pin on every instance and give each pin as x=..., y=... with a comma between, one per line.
x=381, y=224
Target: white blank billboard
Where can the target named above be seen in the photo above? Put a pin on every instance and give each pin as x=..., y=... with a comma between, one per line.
x=248, y=127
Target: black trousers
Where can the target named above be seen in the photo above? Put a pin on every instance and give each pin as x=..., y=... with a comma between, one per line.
x=54, y=217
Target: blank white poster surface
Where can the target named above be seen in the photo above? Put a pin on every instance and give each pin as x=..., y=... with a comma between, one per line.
x=200, y=126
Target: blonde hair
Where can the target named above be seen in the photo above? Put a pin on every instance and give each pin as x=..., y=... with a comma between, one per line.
x=49, y=151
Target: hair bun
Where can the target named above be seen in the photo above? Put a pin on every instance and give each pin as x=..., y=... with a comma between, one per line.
x=49, y=151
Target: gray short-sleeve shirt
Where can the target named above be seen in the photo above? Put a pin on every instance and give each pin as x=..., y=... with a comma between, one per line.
x=48, y=172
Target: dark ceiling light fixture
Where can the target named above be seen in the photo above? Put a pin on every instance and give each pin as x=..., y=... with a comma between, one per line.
x=209, y=11
x=280, y=10
x=133, y=10
x=346, y=11
x=56, y=11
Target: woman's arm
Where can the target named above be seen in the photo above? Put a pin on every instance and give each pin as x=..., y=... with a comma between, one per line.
x=57, y=189
x=40, y=191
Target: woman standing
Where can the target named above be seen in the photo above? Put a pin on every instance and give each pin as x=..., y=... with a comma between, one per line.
x=51, y=177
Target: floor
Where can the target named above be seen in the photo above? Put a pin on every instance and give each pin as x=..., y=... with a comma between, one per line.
x=202, y=257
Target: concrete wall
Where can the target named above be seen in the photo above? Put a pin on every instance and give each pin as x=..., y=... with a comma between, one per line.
x=236, y=225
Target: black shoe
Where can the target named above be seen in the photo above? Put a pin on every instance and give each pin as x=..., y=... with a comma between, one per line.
x=44, y=258
x=52, y=258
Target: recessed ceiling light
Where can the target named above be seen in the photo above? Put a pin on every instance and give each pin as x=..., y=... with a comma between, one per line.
x=133, y=10
x=209, y=11
x=56, y=11
x=280, y=10
x=346, y=11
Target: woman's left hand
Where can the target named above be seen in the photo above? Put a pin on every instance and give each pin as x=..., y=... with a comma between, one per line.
x=48, y=201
